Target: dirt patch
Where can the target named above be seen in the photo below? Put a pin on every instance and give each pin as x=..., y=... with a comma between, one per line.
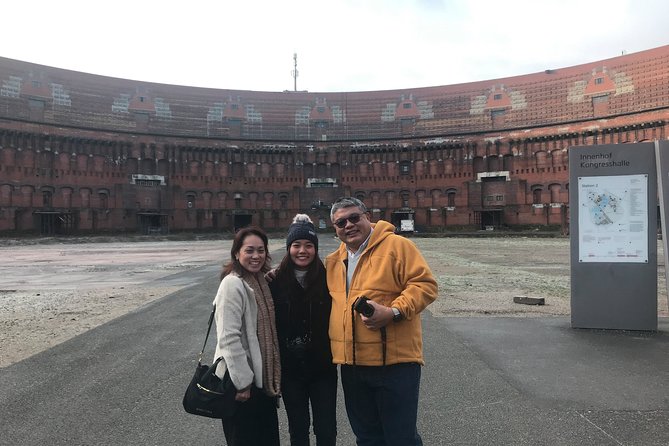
x=50, y=293
x=31, y=321
x=481, y=276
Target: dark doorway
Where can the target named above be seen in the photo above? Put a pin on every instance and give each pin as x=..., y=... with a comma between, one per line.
x=55, y=223
x=241, y=221
x=199, y=218
x=492, y=219
x=152, y=223
x=403, y=221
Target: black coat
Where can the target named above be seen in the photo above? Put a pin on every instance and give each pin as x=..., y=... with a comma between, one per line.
x=302, y=322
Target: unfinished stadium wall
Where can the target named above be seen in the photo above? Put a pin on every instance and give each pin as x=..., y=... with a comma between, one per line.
x=82, y=153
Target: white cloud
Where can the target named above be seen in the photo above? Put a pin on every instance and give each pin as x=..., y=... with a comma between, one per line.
x=342, y=45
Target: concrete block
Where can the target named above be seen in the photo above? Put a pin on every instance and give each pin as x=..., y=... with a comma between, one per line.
x=529, y=300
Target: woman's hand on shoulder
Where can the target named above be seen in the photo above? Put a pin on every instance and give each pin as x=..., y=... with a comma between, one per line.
x=270, y=275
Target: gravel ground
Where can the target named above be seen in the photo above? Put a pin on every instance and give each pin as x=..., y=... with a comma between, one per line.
x=482, y=276
x=50, y=293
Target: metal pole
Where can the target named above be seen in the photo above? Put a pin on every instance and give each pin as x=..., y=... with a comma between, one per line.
x=295, y=72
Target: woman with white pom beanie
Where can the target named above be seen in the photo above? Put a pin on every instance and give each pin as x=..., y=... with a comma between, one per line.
x=302, y=305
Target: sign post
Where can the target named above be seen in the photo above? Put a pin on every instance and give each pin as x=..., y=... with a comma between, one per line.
x=613, y=227
x=662, y=162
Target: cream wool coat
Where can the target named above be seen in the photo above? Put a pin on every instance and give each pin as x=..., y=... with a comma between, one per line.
x=236, y=332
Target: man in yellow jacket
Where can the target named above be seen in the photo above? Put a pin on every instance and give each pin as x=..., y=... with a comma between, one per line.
x=377, y=342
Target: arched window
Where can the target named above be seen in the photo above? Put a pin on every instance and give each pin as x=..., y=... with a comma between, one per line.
x=555, y=190
x=190, y=201
x=283, y=200
x=536, y=196
x=405, y=199
x=450, y=196
x=104, y=200
x=47, y=198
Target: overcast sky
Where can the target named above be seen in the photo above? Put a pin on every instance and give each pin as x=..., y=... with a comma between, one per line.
x=341, y=45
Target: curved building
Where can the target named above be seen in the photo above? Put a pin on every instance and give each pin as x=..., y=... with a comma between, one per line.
x=85, y=153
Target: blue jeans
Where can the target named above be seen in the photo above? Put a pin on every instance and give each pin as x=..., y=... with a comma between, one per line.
x=382, y=403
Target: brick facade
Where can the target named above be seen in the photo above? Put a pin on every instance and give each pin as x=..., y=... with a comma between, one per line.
x=83, y=153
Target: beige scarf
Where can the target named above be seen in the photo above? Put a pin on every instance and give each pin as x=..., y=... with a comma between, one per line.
x=267, y=338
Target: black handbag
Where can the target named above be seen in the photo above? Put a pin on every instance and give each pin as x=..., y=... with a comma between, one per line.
x=208, y=395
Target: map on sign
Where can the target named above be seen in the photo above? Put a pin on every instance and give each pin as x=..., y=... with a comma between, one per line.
x=605, y=208
x=613, y=218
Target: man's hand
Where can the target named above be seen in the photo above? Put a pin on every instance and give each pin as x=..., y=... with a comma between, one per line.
x=382, y=316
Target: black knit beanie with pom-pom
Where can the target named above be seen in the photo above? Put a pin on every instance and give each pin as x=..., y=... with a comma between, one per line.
x=302, y=228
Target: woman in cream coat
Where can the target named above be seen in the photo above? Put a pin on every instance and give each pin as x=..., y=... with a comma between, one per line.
x=247, y=341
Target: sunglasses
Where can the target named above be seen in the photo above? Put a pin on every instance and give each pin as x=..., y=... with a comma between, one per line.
x=353, y=218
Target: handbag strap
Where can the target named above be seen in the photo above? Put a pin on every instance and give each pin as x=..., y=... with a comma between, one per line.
x=211, y=320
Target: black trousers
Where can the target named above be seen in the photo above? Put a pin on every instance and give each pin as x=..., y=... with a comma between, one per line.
x=255, y=422
x=321, y=392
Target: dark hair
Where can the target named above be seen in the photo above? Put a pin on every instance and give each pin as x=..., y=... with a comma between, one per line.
x=314, y=270
x=233, y=264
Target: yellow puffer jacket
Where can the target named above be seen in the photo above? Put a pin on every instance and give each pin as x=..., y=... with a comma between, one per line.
x=392, y=272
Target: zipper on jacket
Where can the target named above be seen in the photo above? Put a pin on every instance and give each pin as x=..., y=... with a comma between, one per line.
x=345, y=262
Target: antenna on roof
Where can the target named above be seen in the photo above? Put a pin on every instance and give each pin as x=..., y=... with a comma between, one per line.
x=294, y=73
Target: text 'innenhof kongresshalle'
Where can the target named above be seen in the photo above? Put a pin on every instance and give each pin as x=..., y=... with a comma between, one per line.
x=601, y=160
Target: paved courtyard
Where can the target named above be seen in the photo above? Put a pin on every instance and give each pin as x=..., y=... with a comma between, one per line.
x=50, y=292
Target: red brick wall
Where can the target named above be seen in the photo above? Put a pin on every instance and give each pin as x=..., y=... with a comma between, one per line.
x=86, y=148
